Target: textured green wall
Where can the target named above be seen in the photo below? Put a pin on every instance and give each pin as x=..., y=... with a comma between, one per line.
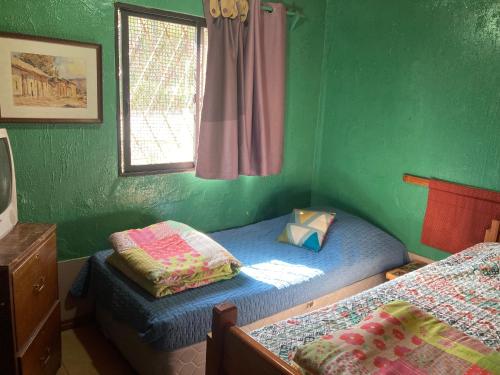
x=408, y=86
x=67, y=174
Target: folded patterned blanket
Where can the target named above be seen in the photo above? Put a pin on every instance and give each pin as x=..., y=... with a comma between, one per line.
x=398, y=338
x=170, y=257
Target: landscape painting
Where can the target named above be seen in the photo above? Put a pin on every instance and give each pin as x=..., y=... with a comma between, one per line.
x=49, y=80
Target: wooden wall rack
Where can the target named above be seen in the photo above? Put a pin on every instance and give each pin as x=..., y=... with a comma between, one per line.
x=415, y=180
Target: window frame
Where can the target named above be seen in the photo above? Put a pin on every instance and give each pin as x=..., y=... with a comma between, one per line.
x=122, y=12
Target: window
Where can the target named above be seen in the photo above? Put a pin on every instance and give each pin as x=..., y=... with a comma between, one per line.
x=161, y=68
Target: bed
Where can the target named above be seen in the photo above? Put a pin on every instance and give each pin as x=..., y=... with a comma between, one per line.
x=167, y=335
x=462, y=291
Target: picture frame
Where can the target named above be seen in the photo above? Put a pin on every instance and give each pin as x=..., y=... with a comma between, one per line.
x=49, y=80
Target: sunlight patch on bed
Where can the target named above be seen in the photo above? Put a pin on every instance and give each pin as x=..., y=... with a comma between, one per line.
x=280, y=274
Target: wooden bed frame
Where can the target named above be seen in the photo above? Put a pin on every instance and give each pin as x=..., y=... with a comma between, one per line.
x=492, y=232
x=231, y=351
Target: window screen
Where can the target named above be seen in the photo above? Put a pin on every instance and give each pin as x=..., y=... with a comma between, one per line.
x=161, y=74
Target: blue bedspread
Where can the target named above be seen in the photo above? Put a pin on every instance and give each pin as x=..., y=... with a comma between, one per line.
x=276, y=277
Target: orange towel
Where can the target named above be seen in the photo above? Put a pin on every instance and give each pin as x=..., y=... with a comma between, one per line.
x=457, y=216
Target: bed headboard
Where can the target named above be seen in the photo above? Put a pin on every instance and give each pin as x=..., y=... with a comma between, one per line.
x=492, y=234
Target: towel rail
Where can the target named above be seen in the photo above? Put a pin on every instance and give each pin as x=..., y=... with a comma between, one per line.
x=416, y=180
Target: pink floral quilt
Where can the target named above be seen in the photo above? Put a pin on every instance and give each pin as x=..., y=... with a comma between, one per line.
x=397, y=338
x=462, y=291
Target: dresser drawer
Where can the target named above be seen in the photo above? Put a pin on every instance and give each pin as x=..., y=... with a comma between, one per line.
x=34, y=289
x=43, y=356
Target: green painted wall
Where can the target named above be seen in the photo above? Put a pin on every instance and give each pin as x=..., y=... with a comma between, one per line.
x=408, y=86
x=67, y=174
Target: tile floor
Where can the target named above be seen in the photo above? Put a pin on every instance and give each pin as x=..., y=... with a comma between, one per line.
x=85, y=351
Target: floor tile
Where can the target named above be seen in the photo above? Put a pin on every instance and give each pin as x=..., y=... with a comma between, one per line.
x=85, y=351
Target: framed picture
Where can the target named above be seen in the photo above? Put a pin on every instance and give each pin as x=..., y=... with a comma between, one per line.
x=49, y=80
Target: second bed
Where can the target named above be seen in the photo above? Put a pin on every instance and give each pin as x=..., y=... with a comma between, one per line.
x=167, y=335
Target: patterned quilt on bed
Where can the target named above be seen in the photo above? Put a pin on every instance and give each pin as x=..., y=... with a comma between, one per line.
x=397, y=338
x=462, y=291
x=169, y=257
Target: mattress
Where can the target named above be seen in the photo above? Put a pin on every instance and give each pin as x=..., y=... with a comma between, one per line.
x=275, y=277
x=190, y=360
x=461, y=290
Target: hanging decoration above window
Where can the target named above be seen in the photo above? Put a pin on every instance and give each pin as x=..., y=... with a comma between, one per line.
x=229, y=9
x=233, y=9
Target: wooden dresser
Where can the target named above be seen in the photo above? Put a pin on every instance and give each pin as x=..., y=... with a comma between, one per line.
x=30, y=333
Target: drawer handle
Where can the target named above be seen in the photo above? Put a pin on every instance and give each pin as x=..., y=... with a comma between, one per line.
x=44, y=360
x=38, y=287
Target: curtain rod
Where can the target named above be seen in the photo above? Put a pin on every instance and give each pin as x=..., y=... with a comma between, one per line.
x=270, y=9
x=292, y=13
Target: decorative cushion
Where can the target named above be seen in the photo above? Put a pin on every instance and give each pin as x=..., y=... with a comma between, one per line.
x=308, y=229
x=319, y=220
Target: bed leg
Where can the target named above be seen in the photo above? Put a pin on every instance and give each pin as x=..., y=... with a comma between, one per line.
x=223, y=317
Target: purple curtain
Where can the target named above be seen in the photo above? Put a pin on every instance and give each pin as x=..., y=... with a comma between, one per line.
x=242, y=121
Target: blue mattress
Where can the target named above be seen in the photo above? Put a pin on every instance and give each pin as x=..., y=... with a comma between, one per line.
x=276, y=277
